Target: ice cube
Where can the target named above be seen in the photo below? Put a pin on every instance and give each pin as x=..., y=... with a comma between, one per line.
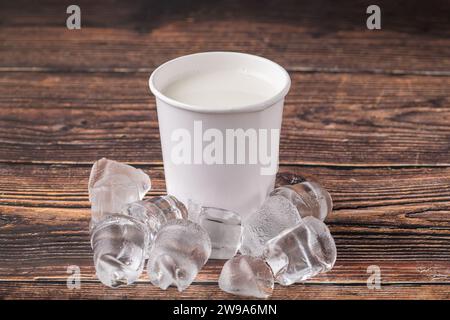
x=276, y=214
x=301, y=252
x=156, y=211
x=119, y=245
x=113, y=185
x=247, y=276
x=180, y=250
x=225, y=230
x=310, y=198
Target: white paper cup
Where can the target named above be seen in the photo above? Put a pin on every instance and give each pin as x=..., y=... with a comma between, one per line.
x=232, y=185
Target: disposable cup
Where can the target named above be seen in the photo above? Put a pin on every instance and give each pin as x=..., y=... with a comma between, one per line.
x=209, y=175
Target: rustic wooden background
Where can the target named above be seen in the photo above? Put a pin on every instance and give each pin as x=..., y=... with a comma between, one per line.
x=368, y=115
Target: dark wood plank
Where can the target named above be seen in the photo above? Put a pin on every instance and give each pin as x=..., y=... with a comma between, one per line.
x=329, y=119
x=300, y=35
x=397, y=219
x=89, y=290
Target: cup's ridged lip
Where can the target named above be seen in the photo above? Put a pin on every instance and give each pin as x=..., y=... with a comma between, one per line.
x=244, y=108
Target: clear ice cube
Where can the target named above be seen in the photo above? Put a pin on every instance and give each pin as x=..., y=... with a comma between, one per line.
x=301, y=252
x=119, y=244
x=112, y=185
x=156, y=211
x=310, y=198
x=247, y=276
x=276, y=214
x=180, y=250
x=225, y=230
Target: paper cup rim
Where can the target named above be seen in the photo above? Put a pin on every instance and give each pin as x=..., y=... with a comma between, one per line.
x=244, y=108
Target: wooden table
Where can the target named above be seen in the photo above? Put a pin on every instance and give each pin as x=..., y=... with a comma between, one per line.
x=368, y=115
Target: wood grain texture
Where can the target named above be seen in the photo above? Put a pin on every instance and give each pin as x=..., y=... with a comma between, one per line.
x=140, y=35
x=89, y=290
x=329, y=119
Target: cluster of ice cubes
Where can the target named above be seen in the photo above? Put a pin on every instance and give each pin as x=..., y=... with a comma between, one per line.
x=126, y=230
x=285, y=241
x=287, y=236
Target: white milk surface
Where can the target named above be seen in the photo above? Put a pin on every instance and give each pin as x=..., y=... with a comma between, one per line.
x=220, y=89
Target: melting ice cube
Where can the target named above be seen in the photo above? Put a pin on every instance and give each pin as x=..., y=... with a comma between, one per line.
x=180, y=250
x=225, y=230
x=112, y=185
x=247, y=276
x=276, y=214
x=301, y=252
